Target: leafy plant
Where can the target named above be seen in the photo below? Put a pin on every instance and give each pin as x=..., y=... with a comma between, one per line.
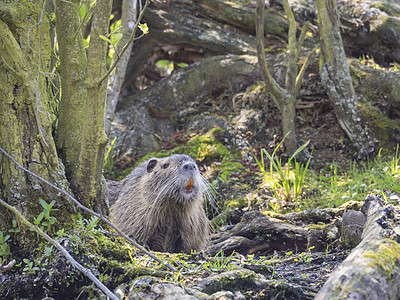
x=4, y=247
x=218, y=263
x=284, y=172
x=300, y=171
x=44, y=220
x=14, y=228
x=305, y=257
x=394, y=164
x=30, y=268
x=379, y=176
x=48, y=251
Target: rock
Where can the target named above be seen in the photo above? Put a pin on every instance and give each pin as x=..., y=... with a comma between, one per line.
x=230, y=280
x=226, y=295
x=153, y=288
x=352, y=228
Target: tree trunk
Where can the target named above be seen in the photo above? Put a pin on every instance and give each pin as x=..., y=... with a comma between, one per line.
x=88, y=178
x=289, y=123
x=284, y=98
x=73, y=66
x=335, y=76
x=26, y=110
x=116, y=79
x=80, y=137
x=28, y=107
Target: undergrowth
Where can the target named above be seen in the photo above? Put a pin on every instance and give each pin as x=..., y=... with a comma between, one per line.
x=332, y=185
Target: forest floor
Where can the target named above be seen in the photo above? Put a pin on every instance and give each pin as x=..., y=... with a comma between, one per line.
x=293, y=257
x=276, y=231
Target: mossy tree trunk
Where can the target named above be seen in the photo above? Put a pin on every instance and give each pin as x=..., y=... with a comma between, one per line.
x=81, y=138
x=335, y=76
x=28, y=106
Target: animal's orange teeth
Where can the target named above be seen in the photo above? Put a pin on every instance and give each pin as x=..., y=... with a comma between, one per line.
x=190, y=184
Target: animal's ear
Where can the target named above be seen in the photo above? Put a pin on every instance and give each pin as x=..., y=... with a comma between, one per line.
x=150, y=166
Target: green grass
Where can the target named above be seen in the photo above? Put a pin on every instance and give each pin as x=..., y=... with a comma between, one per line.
x=286, y=180
x=333, y=185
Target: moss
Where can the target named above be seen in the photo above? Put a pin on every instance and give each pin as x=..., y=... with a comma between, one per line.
x=115, y=248
x=392, y=9
x=386, y=257
x=239, y=279
x=380, y=125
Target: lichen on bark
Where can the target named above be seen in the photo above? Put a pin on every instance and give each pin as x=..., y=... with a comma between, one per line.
x=335, y=77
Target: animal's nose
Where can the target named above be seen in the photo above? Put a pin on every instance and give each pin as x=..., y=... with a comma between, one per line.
x=189, y=166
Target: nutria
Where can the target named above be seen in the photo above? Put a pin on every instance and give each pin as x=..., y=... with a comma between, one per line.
x=160, y=204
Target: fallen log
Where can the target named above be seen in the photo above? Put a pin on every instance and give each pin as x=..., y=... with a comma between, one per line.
x=372, y=270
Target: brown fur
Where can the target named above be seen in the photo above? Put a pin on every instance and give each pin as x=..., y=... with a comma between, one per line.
x=158, y=205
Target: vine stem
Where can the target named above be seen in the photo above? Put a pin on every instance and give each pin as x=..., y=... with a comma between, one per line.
x=103, y=219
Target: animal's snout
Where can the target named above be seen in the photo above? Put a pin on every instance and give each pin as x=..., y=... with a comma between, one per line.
x=189, y=166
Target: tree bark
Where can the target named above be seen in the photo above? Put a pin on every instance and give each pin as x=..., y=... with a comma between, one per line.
x=336, y=79
x=26, y=110
x=80, y=137
x=372, y=269
x=116, y=79
x=73, y=67
x=88, y=177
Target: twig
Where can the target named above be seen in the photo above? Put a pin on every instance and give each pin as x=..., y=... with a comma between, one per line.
x=62, y=250
x=8, y=266
x=130, y=240
x=112, y=67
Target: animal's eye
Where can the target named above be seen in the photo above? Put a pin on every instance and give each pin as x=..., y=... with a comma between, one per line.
x=165, y=166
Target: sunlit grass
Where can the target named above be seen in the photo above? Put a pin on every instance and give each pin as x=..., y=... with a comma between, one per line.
x=335, y=184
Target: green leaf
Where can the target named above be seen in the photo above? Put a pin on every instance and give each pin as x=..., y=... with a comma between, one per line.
x=115, y=39
x=104, y=38
x=143, y=27
x=300, y=148
x=39, y=218
x=6, y=250
x=43, y=203
x=82, y=10
x=52, y=204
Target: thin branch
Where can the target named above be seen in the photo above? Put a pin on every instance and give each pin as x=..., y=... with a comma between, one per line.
x=271, y=85
x=103, y=219
x=305, y=65
x=302, y=38
x=64, y=252
x=292, y=47
x=114, y=64
x=8, y=266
